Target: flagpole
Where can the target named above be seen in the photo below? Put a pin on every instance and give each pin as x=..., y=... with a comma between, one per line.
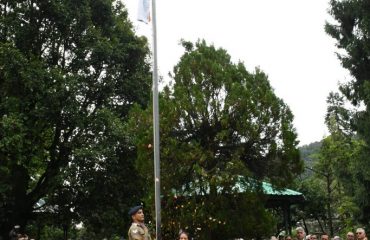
x=156, y=128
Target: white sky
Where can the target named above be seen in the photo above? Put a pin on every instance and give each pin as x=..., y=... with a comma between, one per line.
x=285, y=38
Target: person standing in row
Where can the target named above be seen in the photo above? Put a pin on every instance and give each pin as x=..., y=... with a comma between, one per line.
x=313, y=237
x=360, y=234
x=324, y=236
x=183, y=236
x=138, y=230
x=301, y=234
x=350, y=236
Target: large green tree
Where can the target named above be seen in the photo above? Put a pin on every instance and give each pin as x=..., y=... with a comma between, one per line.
x=69, y=73
x=218, y=122
x=352, y=32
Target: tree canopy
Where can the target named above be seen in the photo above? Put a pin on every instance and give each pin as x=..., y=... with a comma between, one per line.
x=218, y=121
x=351, y=31
x=69, y=73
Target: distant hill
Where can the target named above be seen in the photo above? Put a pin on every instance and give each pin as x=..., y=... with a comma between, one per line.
x=308, y=153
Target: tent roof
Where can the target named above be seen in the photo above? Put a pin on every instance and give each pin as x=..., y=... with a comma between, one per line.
x=269, y=190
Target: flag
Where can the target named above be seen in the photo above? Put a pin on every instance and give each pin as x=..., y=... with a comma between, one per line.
x=144, y=11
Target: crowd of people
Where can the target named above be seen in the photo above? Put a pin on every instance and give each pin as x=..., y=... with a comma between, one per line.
x=359, y=234
x=138, y=231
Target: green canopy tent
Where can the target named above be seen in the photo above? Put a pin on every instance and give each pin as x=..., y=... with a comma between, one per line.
x=281, y=199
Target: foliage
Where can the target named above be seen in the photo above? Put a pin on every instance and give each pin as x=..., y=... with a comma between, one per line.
x=218, y=122
x=52, y=233
x=314, y=191
x=333, y=183
x=202, y=216
x=69, y=73
x=351, y=31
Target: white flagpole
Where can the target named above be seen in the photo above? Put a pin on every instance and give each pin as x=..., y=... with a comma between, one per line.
x=156, y=128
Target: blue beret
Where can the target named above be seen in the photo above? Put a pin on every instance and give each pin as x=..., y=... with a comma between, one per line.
x=134, y=210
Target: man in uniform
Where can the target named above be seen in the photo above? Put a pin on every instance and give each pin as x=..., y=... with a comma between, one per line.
x=138, y=230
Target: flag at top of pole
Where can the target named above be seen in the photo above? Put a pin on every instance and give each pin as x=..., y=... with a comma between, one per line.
x=144, y=11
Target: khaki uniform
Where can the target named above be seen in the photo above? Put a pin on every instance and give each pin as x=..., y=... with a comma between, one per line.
x=138, y=232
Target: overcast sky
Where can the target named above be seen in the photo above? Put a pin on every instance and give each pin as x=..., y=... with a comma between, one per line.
x=285, y=38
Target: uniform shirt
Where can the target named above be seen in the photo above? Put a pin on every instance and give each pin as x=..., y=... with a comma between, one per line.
x=138, y=232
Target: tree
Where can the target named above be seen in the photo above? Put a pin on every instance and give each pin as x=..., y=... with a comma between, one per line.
x=218, y=122
x=69, y=73
x=333, y=183
x=351, y=31
x=330, y=154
